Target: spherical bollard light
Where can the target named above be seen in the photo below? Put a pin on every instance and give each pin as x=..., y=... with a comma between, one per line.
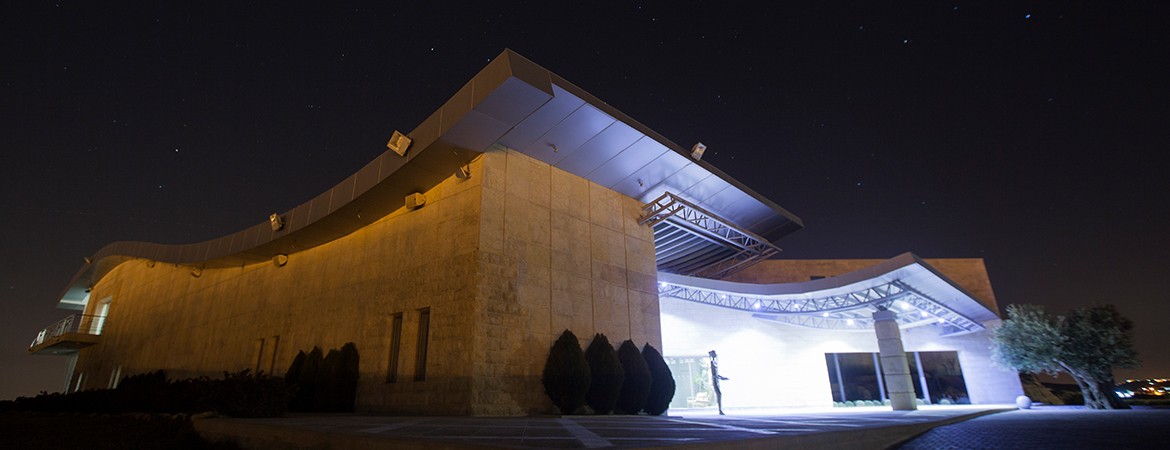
x=1023, y=402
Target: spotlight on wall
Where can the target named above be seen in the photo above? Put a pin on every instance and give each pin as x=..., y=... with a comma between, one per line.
x=280, y=260
x=415, y=201
x=276, y=221
x=697, y=151
x=196, y=272
x=463, y=172
x=399, y=143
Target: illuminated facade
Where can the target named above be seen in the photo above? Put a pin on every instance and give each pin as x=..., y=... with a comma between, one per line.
x=524, y=206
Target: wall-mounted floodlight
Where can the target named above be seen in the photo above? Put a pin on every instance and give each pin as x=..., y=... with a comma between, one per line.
x=415, y=201
x=697, y=151
x=399, y=143
x=463, y=172
x=280, y=260
x=276, y=221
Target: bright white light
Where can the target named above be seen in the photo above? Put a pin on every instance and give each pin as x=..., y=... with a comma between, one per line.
x=663, y=285
x=849, y=322
x=941, y=321
x=824, y=314
x=756, y=306
x=904, y=306
x=722, y=297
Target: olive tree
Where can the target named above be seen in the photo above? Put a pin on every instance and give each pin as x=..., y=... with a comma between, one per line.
x=1086, y=344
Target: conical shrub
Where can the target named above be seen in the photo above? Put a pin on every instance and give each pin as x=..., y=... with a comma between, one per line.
x=636, y=386
x=661, y=382
x=566, y=374
x=606, y=375
x=347, y=377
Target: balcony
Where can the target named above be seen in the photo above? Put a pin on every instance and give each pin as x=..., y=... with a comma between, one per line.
x=68, y=335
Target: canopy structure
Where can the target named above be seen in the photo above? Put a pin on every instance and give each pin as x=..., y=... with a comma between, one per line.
x=915, y=291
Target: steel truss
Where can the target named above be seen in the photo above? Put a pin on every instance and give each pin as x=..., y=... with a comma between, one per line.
x=669, y=212
x=849, y=311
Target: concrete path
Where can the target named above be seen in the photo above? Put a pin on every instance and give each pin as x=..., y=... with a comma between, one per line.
x=1053, y=428
x=855, y=428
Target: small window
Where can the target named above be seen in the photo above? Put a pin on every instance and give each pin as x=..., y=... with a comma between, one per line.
x=395, y=347
x=420, y=363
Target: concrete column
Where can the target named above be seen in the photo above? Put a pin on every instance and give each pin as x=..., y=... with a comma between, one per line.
x=895, y=369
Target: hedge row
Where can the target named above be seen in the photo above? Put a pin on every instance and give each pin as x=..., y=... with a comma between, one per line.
x=324, y=383
x=240, y=394
x=625, y=381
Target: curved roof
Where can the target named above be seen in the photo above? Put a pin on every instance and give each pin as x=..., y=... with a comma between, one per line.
x=512, y=102
x=918, y=293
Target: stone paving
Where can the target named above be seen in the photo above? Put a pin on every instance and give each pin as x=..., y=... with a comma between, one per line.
x=699, y=428
x=1053, y=428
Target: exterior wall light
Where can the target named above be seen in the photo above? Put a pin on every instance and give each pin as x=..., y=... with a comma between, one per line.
x=276, y=221
x=399, y=143
x=697, y=151
x=415, y=201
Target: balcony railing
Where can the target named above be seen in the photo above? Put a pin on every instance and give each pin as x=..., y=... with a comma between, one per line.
x=68, y=335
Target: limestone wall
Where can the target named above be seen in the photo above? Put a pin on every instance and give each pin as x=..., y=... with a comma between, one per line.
x=556, y=252
x=162, y=317
x=505, y=261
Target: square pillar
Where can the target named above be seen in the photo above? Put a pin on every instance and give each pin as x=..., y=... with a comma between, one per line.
x=895, y=369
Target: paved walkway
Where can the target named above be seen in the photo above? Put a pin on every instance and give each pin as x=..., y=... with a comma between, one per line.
x=1053, y=428
x=856, y=428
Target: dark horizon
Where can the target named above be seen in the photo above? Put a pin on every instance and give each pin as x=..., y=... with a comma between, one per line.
x=1026, y=135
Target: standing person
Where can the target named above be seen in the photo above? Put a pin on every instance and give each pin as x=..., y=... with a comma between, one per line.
x=715, y=377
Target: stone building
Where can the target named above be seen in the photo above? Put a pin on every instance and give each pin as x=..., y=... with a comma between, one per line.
x=522, y=207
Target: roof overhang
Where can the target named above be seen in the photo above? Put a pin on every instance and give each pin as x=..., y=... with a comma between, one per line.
x=905, y=284
x=512, y=102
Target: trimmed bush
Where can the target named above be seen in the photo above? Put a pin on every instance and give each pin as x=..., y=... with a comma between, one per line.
x=566, y=374
x=242, y=394
x=661, y=382
x=324, y=383
x=327, y=391
x=636, y=386
x=606, y=375
x=347, y=377
x=306, y=385
x=293, y=375
x=239, y=394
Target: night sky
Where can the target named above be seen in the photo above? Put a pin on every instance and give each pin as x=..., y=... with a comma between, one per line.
x=1031, y=135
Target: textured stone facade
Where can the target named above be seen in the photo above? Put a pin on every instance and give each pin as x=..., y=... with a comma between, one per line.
x=503, y=262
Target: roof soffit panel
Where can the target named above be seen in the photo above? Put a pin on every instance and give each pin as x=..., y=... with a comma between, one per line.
x=511, y=102
x=678, y=184
x=476, y=131
x=535, y=125
x=592, y=154
x=652, y=175
x=706, y=188
x=569, y=135
x=627, y=161
x=452, y=112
